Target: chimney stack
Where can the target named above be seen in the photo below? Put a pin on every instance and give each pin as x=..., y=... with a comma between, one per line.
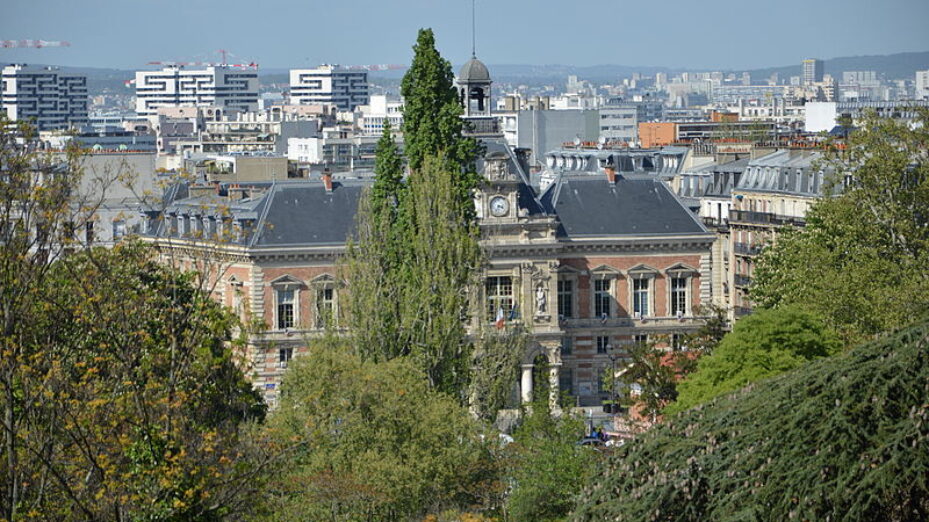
x=610, y=174
x=327, y=179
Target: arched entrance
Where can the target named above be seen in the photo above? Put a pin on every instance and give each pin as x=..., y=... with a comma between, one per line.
x=539, y=375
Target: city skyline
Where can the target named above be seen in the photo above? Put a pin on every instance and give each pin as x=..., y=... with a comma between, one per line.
x=280, y=34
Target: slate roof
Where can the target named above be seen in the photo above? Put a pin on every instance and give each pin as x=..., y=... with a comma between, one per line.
x=589, y=206
x=784, y=172
x=304, y=213
x=473, y=71
x=295, y=213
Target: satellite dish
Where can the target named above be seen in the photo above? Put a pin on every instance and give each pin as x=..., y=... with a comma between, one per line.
x=601, y=141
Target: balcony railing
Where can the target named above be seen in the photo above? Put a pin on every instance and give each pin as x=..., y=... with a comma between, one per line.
x=747, y=249
x=742, y=311
x=741, y=280
x=715, y=222
x=764, y=218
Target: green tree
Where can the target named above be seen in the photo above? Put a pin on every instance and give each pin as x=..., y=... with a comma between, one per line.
x=119, y=395
x=656, y=372
x=431, y=116
x=377, y=442
x=860, y=261
x=129, y=403
x=546, y=466
x=412, y=297
x=386, y=192
x=764, y=344
x=839, y=438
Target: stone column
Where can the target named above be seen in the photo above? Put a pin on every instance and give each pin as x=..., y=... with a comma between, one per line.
x=554, y=391
x=553, y=352
x=526, y=387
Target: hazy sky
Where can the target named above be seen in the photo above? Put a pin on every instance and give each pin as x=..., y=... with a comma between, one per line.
x=289, y=33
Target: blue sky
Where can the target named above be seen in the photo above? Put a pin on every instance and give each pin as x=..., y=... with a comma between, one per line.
x=724, y=34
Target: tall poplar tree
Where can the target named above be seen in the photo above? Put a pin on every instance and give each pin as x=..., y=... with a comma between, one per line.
x=432, y=121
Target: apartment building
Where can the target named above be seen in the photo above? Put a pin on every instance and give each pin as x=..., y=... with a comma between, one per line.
x=343, y=87
x=45, y=96
x=774, y=191
x=226, y=87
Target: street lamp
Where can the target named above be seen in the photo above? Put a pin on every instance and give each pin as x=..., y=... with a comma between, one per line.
x=613, y=357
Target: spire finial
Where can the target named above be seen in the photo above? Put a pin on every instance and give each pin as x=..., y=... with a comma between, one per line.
x=473, y=39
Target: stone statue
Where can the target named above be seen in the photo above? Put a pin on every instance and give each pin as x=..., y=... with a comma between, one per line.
x=540, y=299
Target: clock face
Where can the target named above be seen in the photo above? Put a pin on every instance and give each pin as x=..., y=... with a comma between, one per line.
x=499, y=206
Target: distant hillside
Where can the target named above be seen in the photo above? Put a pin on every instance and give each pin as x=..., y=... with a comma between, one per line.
x=843, y=438
x=892, y=66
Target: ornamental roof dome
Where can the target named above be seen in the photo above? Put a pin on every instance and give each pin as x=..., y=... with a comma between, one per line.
x=473, y=71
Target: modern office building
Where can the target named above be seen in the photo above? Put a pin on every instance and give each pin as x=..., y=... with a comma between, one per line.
x=343, y=87
x=51, y=99
x=922, y=85
x=225, y=87
x=812, y=71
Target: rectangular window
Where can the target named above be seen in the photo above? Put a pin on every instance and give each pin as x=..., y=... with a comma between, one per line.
x=601, y=380
x=119, y=229
x=640, y=339
x=565, y=299
x=284, y=355
x=499, y=292
x=285, y=309
x=678, y=296
x=325, y=306
x=602, y=298
x=89, y=232
x=567, y=346
x=640, y=297
x=566, y=381
x=603, y=344
x=677, y=340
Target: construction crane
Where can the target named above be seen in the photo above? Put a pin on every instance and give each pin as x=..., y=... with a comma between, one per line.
x=377, y=67
x=252, y=65
x=34, y=44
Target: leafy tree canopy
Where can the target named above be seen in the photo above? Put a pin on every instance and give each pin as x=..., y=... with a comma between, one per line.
x=861, y=260
x=546, y=465
x=378, y=442
x=766, y=343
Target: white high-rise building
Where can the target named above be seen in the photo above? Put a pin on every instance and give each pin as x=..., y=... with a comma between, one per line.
x=813, y=71
x=46, y=96
x=922, y=84
x=345, y=88
x=221, y=86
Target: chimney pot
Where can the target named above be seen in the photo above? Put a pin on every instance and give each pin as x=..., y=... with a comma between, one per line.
x=327, y=180
x=610, y=174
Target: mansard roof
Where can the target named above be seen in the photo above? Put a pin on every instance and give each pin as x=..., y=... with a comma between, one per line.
x=590, y=206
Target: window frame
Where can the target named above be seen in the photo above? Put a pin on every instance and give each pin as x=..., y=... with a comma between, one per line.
x=610, y=275
x=279, y=303
x=638, y=274
x=571, y=294
x=686, y=273
x=283, y=284
x=321, y=284
x=492, y=302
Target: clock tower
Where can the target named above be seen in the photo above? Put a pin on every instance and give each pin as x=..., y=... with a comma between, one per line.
x=499, y=202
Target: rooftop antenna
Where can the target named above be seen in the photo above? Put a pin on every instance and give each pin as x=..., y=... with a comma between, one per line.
x=473, y=46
